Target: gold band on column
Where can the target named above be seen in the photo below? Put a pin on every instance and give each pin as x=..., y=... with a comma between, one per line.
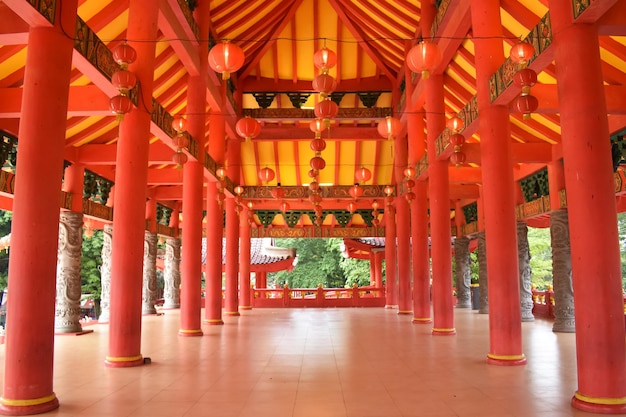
x=27, y=403
x=422, y=319
x=442, y=330
x=123, y=358
x=213, y=321
x=189, y=332
x=600, y=400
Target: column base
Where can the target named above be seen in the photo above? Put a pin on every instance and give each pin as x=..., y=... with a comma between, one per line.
x=391, y=306
x=27, y=407
x=123, y=361
x=245, y=307
x=231, y=313
x=444, y=332
x=190, y=333
x=599, y=405
x=80, y=333
x=405, y=312
x=213, y=322
x=506, y=360
x=422, y=320
x=464, y=305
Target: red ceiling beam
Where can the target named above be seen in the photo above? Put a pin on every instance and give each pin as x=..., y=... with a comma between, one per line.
x=299, y=132
x=284, y=86
x=159, y=153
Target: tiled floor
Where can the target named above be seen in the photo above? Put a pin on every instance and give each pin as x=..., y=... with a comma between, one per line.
x=317, y=363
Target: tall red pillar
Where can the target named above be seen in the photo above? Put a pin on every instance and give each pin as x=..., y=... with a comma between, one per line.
x=390, y=257
x=29, y=354
x=214, y=229
x=261, y=279
x=505, y=342
x=419, y=218
x=443, y=303
x=378, y=268
x=403, y=218
x=193, y=196
x=372, y=261
x=244, y=261
x=595, y=253
x=131, y=176
x=232, y=259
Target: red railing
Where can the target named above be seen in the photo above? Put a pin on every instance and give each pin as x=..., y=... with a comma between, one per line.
x=318, y=297
x=543, y=303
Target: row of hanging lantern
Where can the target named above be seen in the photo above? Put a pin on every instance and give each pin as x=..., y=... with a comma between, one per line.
x=457, y=140
x=525, y=78
x=220, y=173
x=180, y=140
x=123, y=79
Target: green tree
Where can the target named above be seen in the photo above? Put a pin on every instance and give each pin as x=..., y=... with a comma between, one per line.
x=319, y=262
x=356, y=271
x=5, y=229
x=90, y=263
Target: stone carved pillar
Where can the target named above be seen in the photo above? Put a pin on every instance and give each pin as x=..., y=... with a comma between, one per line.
x=171, y=293
x=67, y=314
x=562, y=273
x=149, y=273
x=483, y=282
x=523, y=256
x=105, y=274
x=463, y=272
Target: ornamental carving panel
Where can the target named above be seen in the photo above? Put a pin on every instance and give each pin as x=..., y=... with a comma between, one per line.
x=88, y=44
x=483, y=280
x=171, y=293
x=105, y=273
x=46, y=8
x=67, y=311
x=523, y=256
x=148, y=299
x=463, y=272
x=562, y=273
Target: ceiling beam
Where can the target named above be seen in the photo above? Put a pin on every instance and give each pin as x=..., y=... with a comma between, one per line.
x=254, y=85
x=159, y=153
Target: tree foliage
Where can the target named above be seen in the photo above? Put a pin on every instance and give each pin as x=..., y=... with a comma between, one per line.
x=540, y=257
x=5, y=229
x=320, y=262
x=90, y=263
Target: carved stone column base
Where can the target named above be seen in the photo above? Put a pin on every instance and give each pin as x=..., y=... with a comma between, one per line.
x=562, y=273
x=67, y=314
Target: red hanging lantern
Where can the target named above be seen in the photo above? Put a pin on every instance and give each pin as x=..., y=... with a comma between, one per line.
x=319, y=221
x=266, y=174
x=317, y=163
x=225, y=58
x=388, y=190
x=457, y=140
x=521, y=53
x=123, y=80
x=410, y=183
x=312, y=173
x=458, y=158
x=314, y=186
x=284, y=207
x=317, y=126
x=248, y=128
x=375, y=222
x=324, y=84
x=325, y=59
x=423, y=58
x=239, y=190
x=124, y=54
x=120, y=105
x=410, y=196
x=375, y=205
x=351, y=207
x=318, y=210
x=315, y=198
x=180, y=141
x=278, y=192
x=220, y=172
x=389, y=127
x=456, y=124
x=318, y=145
x=180, y=158
x=355, y=191
x=326, y=110
x=525, y=78
x=363, y=174
x=409, y=172
x=179, y=124
x=526, y=104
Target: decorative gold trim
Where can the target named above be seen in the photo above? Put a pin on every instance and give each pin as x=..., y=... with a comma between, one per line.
x=440, y=330
x=425, y=319
x=405, y=311
x=185, y=331
x=123, y=358
x=26, y=403
x=231, y=313
x=213, y=321
x=600, y=400
x=506, y=357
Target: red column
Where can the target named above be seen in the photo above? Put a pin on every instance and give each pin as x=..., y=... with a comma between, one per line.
x=213, y=262
x=499, y=193
x=131, y=176
x=403, y=218
x=214, y=228
x=28, y=369
x=419, y=221
x=372, y=268
x=191, y=256
x=390, y=257
x=244, y=261
x=261, y=279
x=596, y=274
x=232, y=257
x=74, y=183
x=556, y=182
x=443, y=303
x=378, y=267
